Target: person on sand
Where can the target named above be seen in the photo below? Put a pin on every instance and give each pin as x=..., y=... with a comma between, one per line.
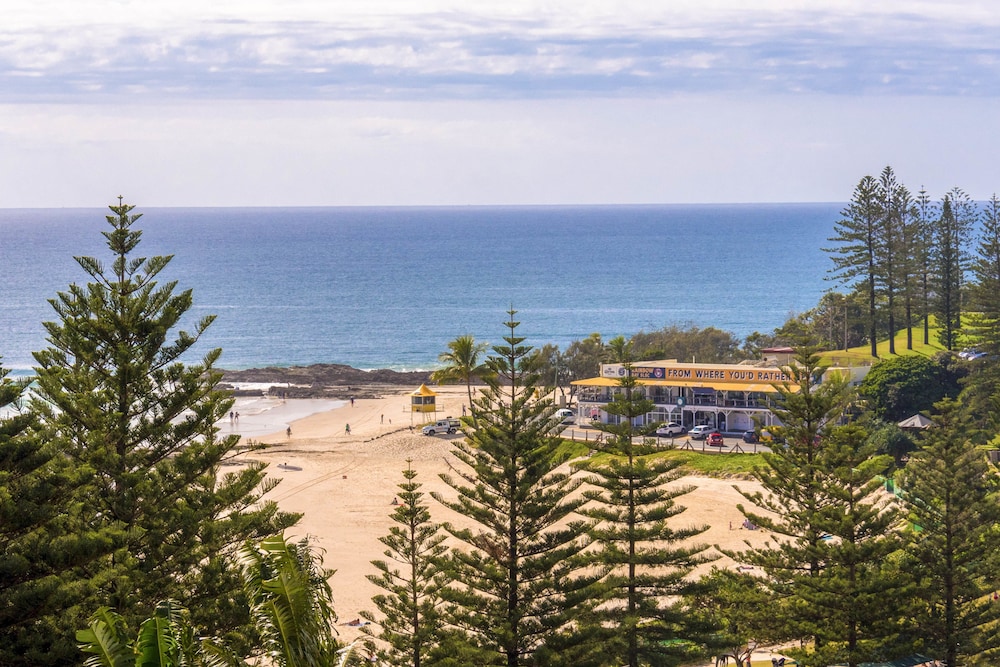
x=347, y=429
x=288, y=431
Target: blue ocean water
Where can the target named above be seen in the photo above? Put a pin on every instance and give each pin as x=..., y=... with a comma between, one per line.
x=389, y=287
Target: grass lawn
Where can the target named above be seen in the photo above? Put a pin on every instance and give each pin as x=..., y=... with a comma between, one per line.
x=714, y=464
x=861, y=356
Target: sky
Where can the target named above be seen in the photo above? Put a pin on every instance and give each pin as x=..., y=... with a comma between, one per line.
x=440, y=102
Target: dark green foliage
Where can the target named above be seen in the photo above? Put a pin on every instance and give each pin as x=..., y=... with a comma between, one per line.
x=708, y=345
x=985, y=291
x=550, y=365
x=791, y=479
x=921, y=249
x=881, y=252
x=44, y=537
x=822, y=483
x=290, y=601
x=837, y=321
x=895, y=241
x=583, y=358
x=411, y=623
x=290, y=604
x=117, y=398
x=899, y=387
x=743, y=611
x=983, y=323
x=165, y=638
x=640, y=617
x=461, y=363
x=514, y=586
x=855, y=594
x=888, y=438
x=949, y=261
x=856, y=257
x=953, y=506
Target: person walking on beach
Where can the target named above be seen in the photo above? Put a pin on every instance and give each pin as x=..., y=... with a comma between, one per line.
x=288, y=431
x=347, y=429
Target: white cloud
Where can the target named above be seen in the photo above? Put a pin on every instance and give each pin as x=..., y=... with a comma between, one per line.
x=403, y=49
x=324, y=102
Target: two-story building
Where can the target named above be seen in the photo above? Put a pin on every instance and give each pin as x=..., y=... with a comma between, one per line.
x=729, y=397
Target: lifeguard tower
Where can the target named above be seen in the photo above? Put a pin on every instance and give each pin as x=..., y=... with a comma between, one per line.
x=422, y=400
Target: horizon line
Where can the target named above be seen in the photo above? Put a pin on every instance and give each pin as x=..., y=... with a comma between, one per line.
x=411, y=206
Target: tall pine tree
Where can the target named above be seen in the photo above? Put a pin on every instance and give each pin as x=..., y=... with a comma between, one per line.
x=921, y=254
x=44, y=537
x=793, y=498
x=952, y=504
x=949, y=259
x=641, y=615
x=892, y=260
x=515, y=589
x=411, y=576
x=856, y=255
x=855, y=594
x=985, y=289
x=114, y=391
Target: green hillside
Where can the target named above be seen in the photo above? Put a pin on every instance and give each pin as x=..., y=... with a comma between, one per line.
x=861, y=356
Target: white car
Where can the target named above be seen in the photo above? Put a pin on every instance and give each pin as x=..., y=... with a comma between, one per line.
x=449, y=425
x=566, y=416
x=669, y=430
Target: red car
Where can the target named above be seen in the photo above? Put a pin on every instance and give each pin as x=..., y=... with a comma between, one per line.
x=715, y=439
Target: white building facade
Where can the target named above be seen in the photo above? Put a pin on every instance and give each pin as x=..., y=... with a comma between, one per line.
x=729, y=397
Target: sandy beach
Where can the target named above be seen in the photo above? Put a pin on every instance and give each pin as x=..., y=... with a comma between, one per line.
x=344, y=483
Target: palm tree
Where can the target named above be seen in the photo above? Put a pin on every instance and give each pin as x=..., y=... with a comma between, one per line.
x=290, y=604
x=166, y=638
x=461, y=363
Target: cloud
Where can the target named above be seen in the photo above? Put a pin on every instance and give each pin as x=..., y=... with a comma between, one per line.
x=333, y=51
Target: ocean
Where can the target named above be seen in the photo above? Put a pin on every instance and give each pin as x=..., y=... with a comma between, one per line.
x=379, y=287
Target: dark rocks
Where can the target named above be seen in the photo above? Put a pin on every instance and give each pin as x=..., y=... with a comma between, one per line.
x=324, y=381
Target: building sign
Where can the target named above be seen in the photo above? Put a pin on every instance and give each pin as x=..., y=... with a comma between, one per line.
x=699, y=372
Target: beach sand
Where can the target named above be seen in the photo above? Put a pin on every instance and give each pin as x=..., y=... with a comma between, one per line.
x=344, y=484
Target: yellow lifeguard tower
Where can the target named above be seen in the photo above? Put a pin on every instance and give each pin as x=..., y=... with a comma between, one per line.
x=423, y=400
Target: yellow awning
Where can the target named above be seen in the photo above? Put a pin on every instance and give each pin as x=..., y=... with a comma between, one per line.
x=595, y=382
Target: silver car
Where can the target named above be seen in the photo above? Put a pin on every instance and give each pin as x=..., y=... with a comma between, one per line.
x=700, y=432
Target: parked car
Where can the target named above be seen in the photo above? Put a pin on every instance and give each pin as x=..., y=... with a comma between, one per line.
x=566, y=416
x=669, y=430
x=449, y=425
x=750, y=436
x=715, y=439
x=700, y=432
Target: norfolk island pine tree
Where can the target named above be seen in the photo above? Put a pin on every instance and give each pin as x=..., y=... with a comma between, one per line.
x=515, y=589
x=112, y=385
